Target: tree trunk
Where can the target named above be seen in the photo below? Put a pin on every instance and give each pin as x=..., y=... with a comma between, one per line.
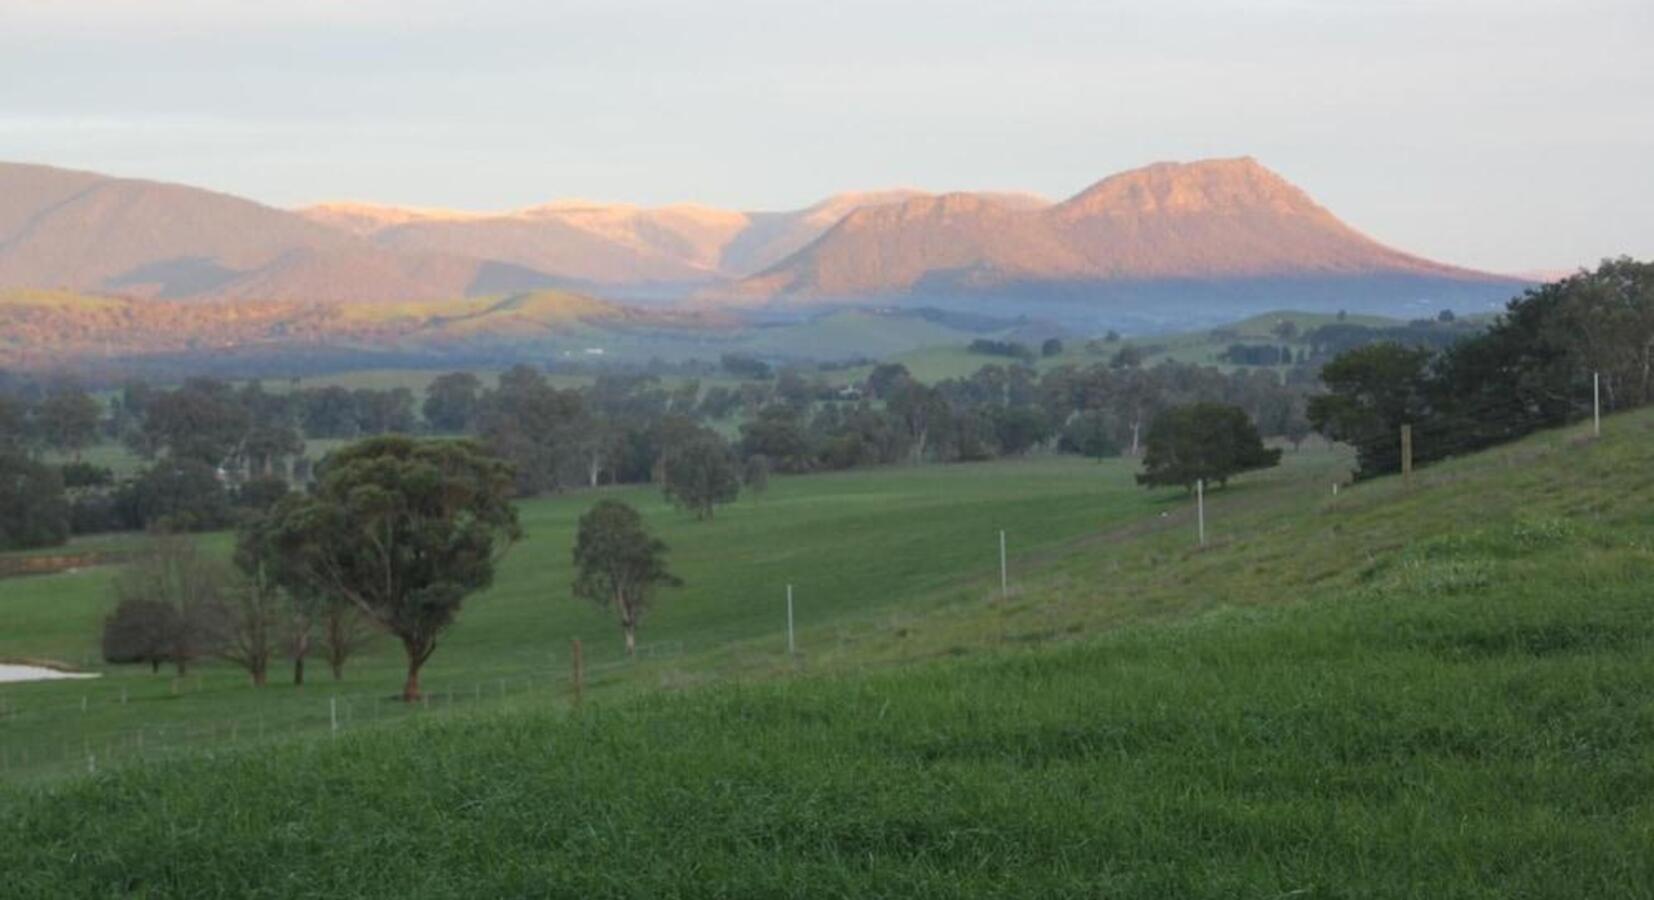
x=628, y=622
x=410, y=688
x=417, y=652
x=260, y=677
x=154, y=666
x=301, y=647
x=338, y=667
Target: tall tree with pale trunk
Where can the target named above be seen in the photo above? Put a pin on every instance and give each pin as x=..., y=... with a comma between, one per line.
x=618, y=564
x=405, y=530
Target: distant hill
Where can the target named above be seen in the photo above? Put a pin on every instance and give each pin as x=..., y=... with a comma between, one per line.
x=48, y=330
x=1208, y=227
x=96, y=335
x=83, y=232
x=1167, y=245
x=615, y=244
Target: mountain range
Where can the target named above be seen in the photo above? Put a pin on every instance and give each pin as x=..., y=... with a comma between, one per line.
x=1212, y=221
x=614, y=244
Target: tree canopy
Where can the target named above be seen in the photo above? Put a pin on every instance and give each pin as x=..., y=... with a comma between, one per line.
x=701, y=474
x=618, y=564
x=1207, y=442
x=1531, y=369
x=405, y=530
x=33, y=510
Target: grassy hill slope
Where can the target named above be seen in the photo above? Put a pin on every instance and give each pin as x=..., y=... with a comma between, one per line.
x=1442, y=689
x=863, y=549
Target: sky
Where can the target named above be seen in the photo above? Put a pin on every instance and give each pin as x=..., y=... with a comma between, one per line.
x=1510, y=135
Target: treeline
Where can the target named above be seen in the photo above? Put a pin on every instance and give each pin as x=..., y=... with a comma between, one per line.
x=1329, y=341
x=633, y=430
x=212, y=451
x=215, y=453
x=1531, y=369
x=1314, y=347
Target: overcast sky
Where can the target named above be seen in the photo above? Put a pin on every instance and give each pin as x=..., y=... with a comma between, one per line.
x=1509, y=135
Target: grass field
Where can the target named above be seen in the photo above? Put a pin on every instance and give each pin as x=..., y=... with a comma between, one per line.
x=1442, y=689
x=860, y=549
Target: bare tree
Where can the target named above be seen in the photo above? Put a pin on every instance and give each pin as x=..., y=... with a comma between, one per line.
x=173, y=573
x=344, y=631
x=252, y=614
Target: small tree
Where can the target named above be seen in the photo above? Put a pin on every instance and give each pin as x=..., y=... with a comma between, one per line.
x=173, y=574
x=252, y=616
x=1051, y=347
x=404, y=530
x=1203, y=441
x=1371, y=392
x=618, y=563
x=261, y=557
x=139, y=631
x=701, y=474
x=343, y=628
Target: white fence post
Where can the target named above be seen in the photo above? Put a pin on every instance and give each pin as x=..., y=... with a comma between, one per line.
x=1200, y=507
x=1004, y=573
x=1596, y=403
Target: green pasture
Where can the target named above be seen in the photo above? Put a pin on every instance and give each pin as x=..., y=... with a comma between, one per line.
x=862, y=549
x=1439, y=688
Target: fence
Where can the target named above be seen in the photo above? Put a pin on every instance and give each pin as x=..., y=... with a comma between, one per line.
x=318, y=711
x=328, y=712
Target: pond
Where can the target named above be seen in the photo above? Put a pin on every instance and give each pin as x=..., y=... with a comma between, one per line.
x=16, y=672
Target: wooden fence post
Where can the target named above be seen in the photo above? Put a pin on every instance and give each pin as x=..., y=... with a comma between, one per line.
x=1407, y=454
